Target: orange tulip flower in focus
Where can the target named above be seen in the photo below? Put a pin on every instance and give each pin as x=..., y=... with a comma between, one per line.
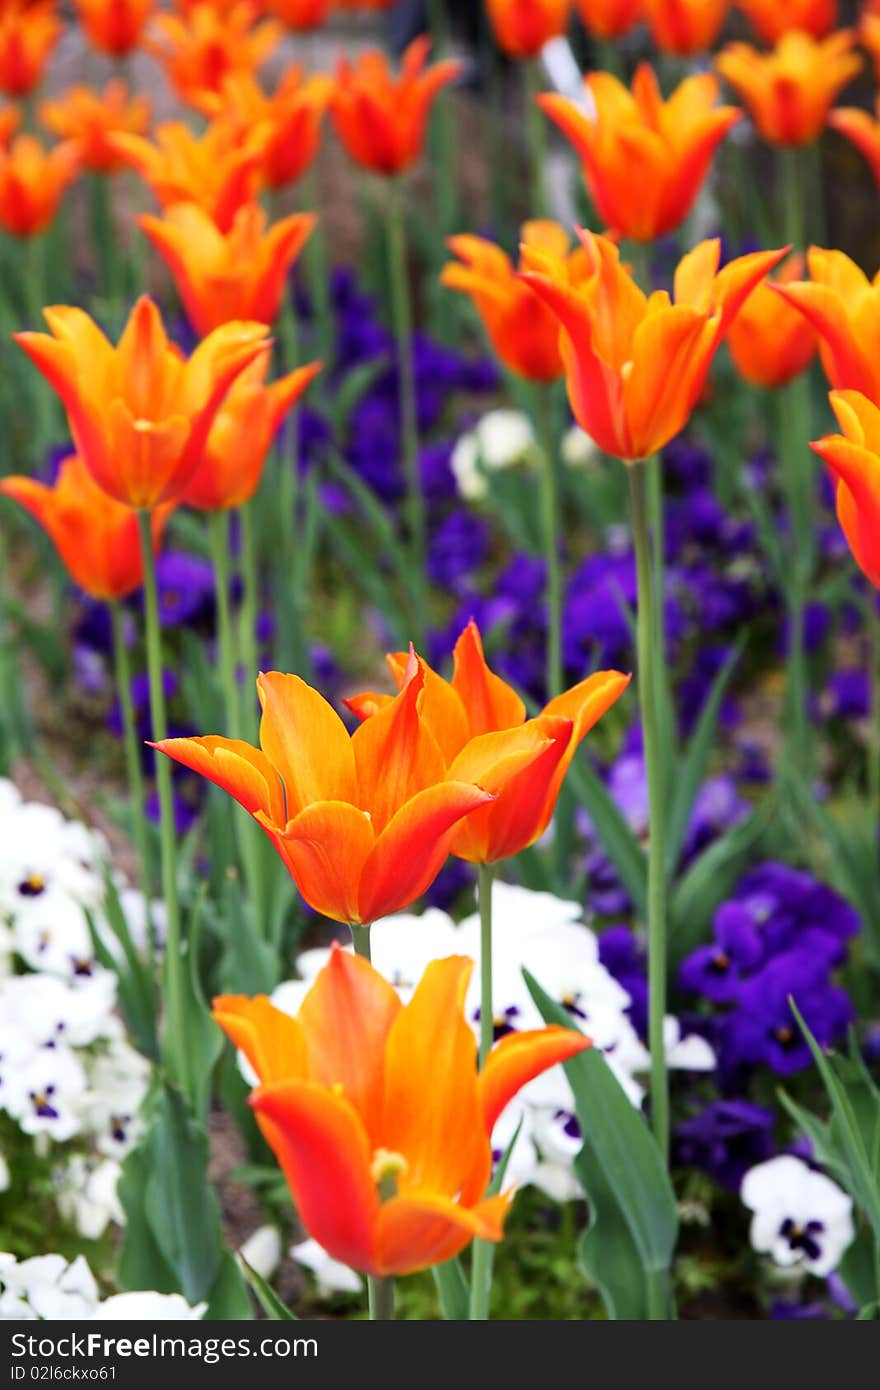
x=28, y=34
x=522, y=27
x=477, y=714
x=644, y=158
x=636, y=365
x=769, y=340
x=609, y=19
x=114, y=27
x=771, y=19
x=88, y=118
x=96, y=537
x=862, y=130
x=843, y=306
x=300, y=15
x=140, y=412
x=363, y=823
x=685, y=27
x=381, y=119
x=32, y=183
x=200, y=51
x=219, y=170
x=854, y=460
x=790, y=91
x=523, y=332
x=290, y=119
x=242, y=434
x=237, y=275
x=377, y=1114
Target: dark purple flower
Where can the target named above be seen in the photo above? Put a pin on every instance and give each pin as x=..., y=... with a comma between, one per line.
x=716, y=971
x=456, y=548
x=186, y=589
x=762, y=1029
x=725, y=1139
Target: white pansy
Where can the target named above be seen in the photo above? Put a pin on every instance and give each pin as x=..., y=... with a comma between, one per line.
x=44, y=1095
x=577, y=449
x=801, y=1218
x=51, y=934
x=501, y=439
x=262, y=1250
x=46, y=1287
x=49, y=1010
x=146, y=1306
x=43, y=854
x=88, y=1197
x=690, y=1053
x=16, y=1048
x=331, y=1276
x=117, y=1085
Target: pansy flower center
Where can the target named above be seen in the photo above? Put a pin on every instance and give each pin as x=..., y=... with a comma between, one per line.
x=32, y=886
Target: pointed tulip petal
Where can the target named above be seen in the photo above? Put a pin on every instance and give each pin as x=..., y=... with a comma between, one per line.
x=517, y=1059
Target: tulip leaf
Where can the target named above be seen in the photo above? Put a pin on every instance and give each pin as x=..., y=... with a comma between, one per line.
x=137, y=997
x=709, y=880
x=615, y=836
x=191, y=1053
x=691, y=768
x=608, y=1252
x=266, y=1296
x=622, y=1145
x=452, y=1290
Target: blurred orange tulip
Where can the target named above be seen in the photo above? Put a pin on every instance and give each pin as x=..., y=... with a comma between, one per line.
x=28, y=34
x=790, y=91
x=854, y=460
x=381, y=119
x=772, y=19
x=635, y=365
x=300, y=15
x=219, y=170
x=843, y=306
x=240, y=274
x=769, y=340
x=96, y=537
x=869, y=36
x=862, y=130
x=522, y=27
x=477, y=716
x=523, y=332
x=114, y=27
x=362, y=824
x=87, y=118
x=10, y=120
x=242, y=434
x=685, y=27
x=32, y=183
x=290, y=119
x=609, y=19
x=200, y=51
x=139, y=413
x=377, y=1114
x=644, y=158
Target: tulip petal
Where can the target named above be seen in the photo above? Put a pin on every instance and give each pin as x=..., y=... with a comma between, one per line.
x=237, y=767
x=325, y=849
x=396, y=754
x=306, y=741
x=415, y=1232
x=489, y=702
x=517, y=1059
x=272, y=1041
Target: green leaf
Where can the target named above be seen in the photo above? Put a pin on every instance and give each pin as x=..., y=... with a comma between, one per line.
x=250, y=964
x=691, y=769
x=191, y=1054
x=266, y=1296
x=857, y=1269
x=618, y=841
x=228, y=1300
x=608, y=1252
x=623, y=1144
x=709, y=880
x=137, y=996
x=452, y=1290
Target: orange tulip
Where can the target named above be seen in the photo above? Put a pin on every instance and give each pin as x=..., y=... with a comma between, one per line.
x=772, y=19
x=199, y=52
x=522, y=27
x=237, y=275
x=96, y=537
x=790, y=91
x=869, y=36
x=477, y=714
x=290, y=119
x=28, y=34
x=114, y=27
x=769, y=340
x=862, y=130
x=685, y=27
x=854, y=460
x=843, y=305
x=300, y=15
x=636, y=366
x=87, y=118
x=381, y=119
x=377, y=1114
x=362, y=824
x=140, y=412
x=609, y=19
x=10, y=120
x=242, y=435
x=32, y=183
x=644, y=158
x=522, y=330
x=219, y=170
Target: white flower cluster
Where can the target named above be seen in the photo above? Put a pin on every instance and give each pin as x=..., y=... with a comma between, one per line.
x=548, y=937
x=48, y=1288
x=66, y=1070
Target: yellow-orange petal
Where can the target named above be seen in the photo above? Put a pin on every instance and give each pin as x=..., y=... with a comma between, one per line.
x=415, y=1232
x=237, y=767
x=518, y=1058
x=272, y=1041
x=306, y=742
x=325, y=848
x=489, y=702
